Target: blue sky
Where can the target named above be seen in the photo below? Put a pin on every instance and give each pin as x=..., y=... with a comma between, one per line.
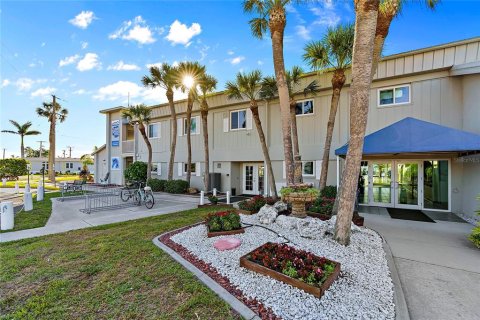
x=92, y=53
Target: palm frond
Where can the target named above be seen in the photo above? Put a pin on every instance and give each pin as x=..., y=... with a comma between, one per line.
x=258, y=26
x=233, y=91
x=316, y=55
x=268, y=88
x=10, y=131
x=16, y=124
x=312, y=87
x=32, y=133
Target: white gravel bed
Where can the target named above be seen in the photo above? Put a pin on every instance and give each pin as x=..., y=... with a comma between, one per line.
x=364, y=289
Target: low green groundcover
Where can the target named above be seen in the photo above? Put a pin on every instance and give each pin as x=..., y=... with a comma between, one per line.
x=223, y=221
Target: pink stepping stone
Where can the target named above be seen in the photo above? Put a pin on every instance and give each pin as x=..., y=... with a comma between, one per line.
x=227, y=244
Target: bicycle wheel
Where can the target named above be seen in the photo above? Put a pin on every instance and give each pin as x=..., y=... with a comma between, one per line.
x=149, y=201
x=137, y=198
x=125, y=195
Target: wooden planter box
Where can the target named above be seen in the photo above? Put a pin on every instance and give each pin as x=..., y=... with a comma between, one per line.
x=316, y=291
x=224, y=233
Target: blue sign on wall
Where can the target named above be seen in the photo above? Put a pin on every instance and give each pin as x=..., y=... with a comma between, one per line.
x=115, y=133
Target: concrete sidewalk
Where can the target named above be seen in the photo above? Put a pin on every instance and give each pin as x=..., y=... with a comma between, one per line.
x=439, y=269
x=67, y=216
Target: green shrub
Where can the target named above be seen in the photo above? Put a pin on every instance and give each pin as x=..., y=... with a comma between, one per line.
x=137, y=171
x=213, y=199
x=176, y=186
x=223, y=221
x=255, y=204
x=12, y=168
x=157, y=185
x=329, y=192
x=475, y=236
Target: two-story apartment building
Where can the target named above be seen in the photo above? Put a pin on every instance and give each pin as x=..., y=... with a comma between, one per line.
x=426, y=97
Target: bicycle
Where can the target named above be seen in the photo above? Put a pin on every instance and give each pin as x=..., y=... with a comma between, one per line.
x=139, y=194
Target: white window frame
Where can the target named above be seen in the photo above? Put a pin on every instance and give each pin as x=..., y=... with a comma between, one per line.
x=305, y=114
x=69, y=165
x=152, y=124
x=197, y=131
x=230, y=120
x=185, y=168
x=379, y=105
x=313, y=169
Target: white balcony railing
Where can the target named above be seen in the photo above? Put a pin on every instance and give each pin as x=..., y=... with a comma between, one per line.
x=128, y=146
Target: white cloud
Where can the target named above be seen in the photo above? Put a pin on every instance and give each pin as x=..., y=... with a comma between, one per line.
x=83, y=19
x=303, y=32
x=260, y=62
x=80, y=91
x=68, y=60
x=88, y=62
x=155, y=64
x=42, y=92
x=325, y=16
x=43, y=44
x=203, y=52
x=84, y=45
x=122, y=66
x=5, y=82
x=135, y=30
x=230, y=52
x=236, y=60
x=24, y=84
x=179, y=33
x=122, y=90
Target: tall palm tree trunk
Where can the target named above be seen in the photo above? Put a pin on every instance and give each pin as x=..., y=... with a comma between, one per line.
x=141, y=128
x=277, y=24
x=365, y=25
x=173, y=144
x=51, y=153
x=189, y=138
x=22, y=147
x=296, y=149
x=338, y=80
x=263, y=143
x=384, y=20
x=206, y=177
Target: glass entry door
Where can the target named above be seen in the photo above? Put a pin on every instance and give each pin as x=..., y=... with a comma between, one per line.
x=407, y=184
x=253, y=178
x=380, y=184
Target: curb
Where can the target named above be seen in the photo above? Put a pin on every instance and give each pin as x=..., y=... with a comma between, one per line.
x=236, y=304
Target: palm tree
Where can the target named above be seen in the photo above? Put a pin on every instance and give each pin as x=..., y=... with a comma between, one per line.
x=189, y=75
x=22, y=131
x=53, y=112
x=140, y=115
x=362, y=60
x=247, y=86
x=206, y=86
x=271, y=14
x=333, y=51
x=269, y=89
x=164, y=77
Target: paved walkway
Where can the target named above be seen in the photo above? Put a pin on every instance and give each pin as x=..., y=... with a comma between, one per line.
x=438, y=267
x=67, y=216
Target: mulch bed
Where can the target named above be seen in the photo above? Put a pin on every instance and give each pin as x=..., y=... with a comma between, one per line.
x=257, y=307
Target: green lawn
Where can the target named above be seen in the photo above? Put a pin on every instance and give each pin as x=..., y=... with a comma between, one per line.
x=38, y=217
x=107, y=272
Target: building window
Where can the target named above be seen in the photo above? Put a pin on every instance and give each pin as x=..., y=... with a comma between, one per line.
x=394, y=96
x=154, y=130
x=193, y=168
x=69, y=165
x=194, y=129
x=45, y=165
x=308, y=168
x=304, y=107
x=238, y=120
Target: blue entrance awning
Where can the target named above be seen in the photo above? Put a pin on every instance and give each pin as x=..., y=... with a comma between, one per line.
x=411, y=135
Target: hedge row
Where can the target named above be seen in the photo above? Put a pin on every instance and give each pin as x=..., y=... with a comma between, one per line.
x=172, y=186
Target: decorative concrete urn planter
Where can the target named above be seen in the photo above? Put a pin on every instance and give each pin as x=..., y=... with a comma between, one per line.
x=299, y=195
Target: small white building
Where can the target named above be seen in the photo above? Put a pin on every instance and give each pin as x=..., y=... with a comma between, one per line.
x=62, y=165
x=100, y=163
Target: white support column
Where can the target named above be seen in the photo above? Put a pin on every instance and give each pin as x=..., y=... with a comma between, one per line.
x=7, y=216
x=266, y=189
x=214, y=192
x=16, y=187
x=338, y=172
x=202, y=198
x=228, y=197
x=27, y=201
x=40, y=192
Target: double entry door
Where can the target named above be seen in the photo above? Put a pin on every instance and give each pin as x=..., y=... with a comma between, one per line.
x=253, y=178
x=391, y=183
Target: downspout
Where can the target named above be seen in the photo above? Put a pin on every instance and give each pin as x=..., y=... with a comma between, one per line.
x=266, y=184
x=338, y=172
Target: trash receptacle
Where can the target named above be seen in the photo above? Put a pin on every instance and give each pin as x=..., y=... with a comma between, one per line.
x=7, y=215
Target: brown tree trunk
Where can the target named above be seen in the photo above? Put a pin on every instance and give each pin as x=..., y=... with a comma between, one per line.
x=204, y=114
x=338, y=80
x=384, y=20
x=141, y=128
x=263, y=143
x=365, y=25
x=51, y=153
x=277, y=24
x=189, y=137
x=22, y=147
x=174, y=133
x=297, y=159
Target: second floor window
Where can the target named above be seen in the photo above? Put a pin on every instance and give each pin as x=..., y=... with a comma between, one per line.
x=238, y=120
x=194, y=129
x=304, y=107
x=154, y=130
x=394, y=95
x=308, y=168
x=193, y=168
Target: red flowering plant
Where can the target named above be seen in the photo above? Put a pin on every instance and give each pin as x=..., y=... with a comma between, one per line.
x=223, y=221
x=295, y=263
x=256, y=203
